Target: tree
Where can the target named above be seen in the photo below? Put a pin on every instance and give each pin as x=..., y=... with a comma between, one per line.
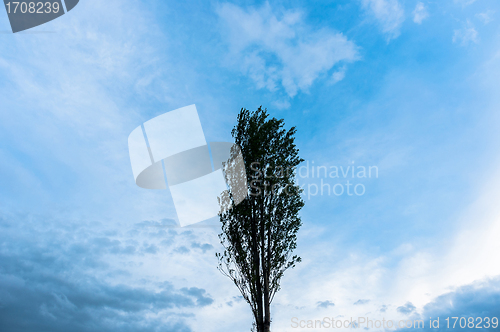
x=259, y=234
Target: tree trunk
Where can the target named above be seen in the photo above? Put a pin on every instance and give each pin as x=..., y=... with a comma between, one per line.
x=256, y=260
x=265, y=270
x=267, y=300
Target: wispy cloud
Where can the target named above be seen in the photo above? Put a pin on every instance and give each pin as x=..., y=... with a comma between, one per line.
x=339, y=75
x=281, y=104
x=420, y=13
x=486, y=17
x=389, y=14
x=466, y=35
x=281, y=49
x=63, y=106
x=464, y=2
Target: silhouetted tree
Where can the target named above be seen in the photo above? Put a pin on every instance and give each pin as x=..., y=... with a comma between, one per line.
x=259, y=234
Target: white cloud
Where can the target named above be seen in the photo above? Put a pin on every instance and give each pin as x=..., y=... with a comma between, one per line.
x=339, y=75
x=281, y=50
x=464, y=2
x=466, y=35
x=420, y=13
x=486, y=16
x=389, y=13
x=282, y=104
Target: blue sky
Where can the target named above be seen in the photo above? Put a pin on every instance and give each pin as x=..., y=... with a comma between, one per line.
x=411, y=87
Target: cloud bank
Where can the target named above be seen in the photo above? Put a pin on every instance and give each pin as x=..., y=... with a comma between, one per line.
x=480, y=299
x=79, y=277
